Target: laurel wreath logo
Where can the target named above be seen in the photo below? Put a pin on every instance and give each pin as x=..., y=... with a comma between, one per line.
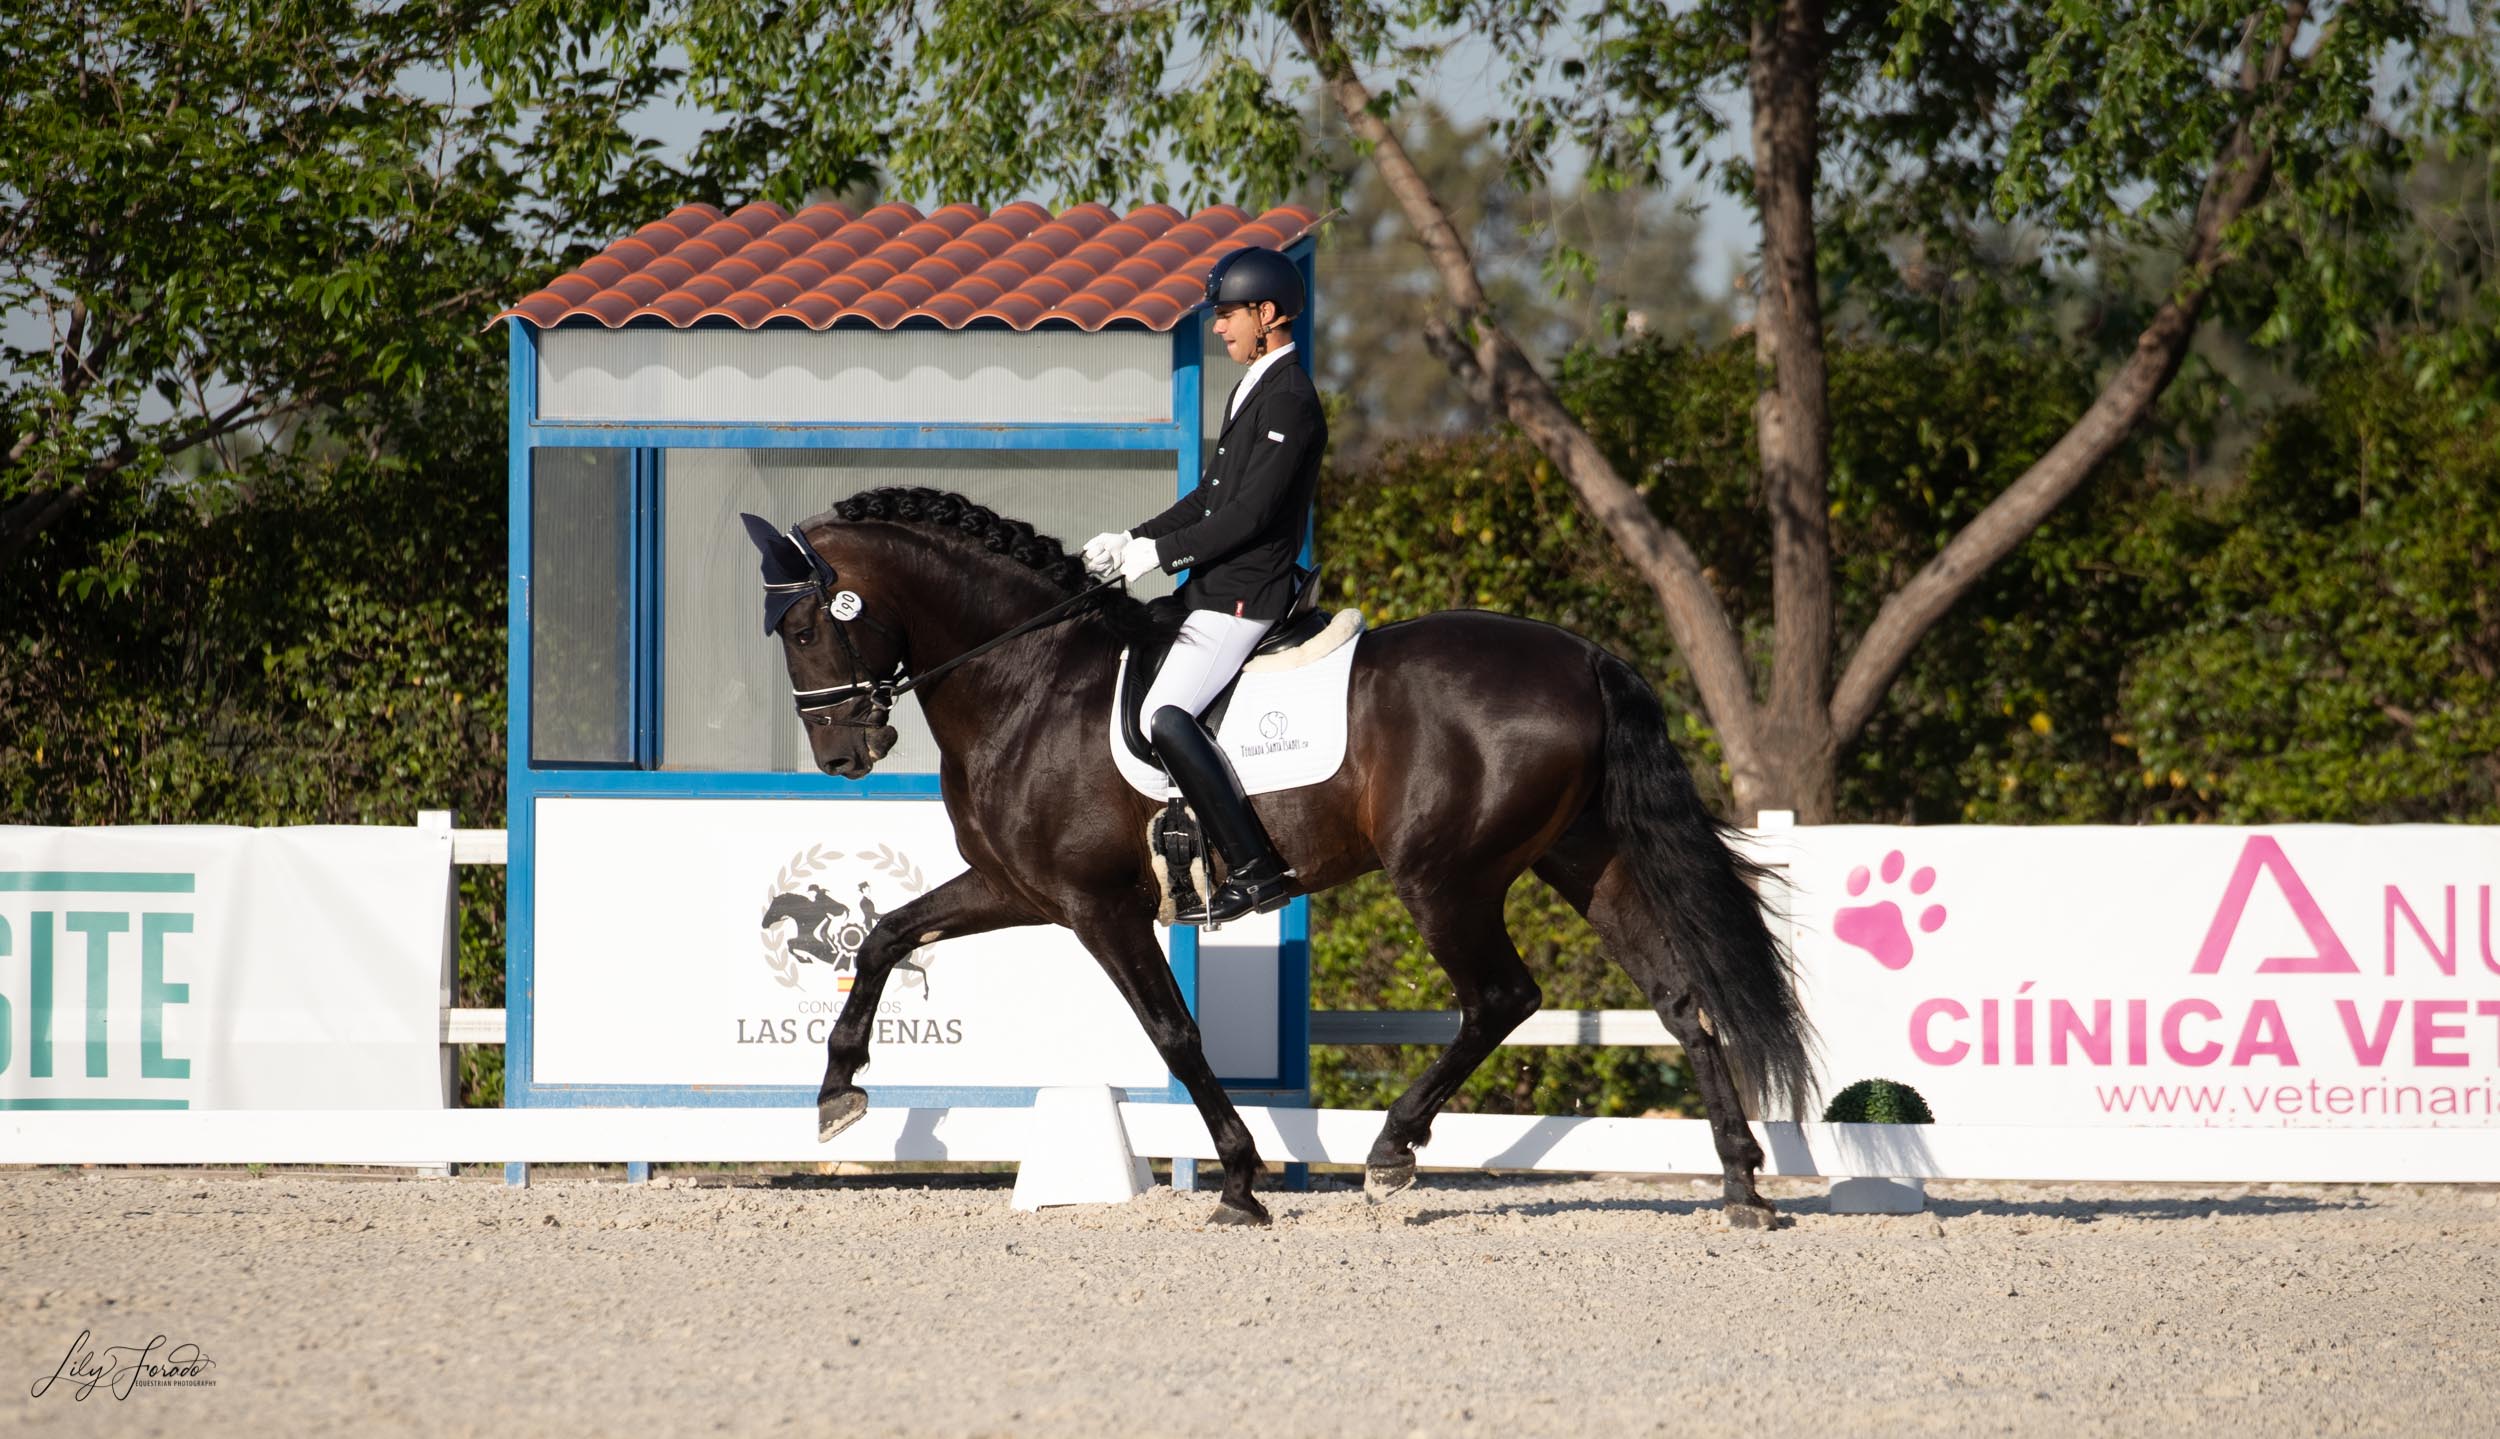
x=815, y=860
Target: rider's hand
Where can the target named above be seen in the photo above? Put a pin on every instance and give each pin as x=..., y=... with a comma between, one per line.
x=1102, y=552
x=1138, y=557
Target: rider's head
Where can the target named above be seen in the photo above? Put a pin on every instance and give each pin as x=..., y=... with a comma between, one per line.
x=1256, y=294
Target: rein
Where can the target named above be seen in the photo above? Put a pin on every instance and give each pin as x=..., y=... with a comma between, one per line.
x=817, y=705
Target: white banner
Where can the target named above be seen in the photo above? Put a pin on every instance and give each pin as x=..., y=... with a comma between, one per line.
x=2171, y=975
x=694, y=941
x=214, y=968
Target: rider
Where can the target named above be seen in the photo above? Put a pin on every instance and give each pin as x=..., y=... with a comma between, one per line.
x=1238, y=534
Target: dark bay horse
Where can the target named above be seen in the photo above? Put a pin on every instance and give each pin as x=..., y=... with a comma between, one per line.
x=1481, y=746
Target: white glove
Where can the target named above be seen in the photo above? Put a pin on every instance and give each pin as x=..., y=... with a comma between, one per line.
x=1139, y=557
x=1102, y=552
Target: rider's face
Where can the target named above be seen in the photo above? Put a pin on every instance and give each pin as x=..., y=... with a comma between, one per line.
x=1238, y=327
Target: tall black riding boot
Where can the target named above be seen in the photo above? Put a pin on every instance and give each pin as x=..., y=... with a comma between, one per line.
x=1254, y=878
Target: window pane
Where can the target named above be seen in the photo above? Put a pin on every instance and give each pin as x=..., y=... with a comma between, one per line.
x=725, y=693
x=581, y=509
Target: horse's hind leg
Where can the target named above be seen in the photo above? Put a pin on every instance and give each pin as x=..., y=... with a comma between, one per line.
x=1495, y=993
x=1600, y=885
x=1123, y=942
x=966, y=904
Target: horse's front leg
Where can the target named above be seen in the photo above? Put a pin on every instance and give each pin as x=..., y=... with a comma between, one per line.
x=966, y=904
x=1122, y=940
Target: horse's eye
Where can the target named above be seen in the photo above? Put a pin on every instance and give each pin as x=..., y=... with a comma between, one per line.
x=805, y=637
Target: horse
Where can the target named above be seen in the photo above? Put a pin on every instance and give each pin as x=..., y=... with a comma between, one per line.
x=1480, y=746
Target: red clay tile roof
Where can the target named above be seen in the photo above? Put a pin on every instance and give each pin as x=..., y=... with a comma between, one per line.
x=1019, y=264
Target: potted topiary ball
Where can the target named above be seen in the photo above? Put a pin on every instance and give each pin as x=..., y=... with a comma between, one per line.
x=1878, y=1101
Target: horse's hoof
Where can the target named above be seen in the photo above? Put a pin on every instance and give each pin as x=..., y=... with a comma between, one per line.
x=1231, y=1213
x=1384, y=1182
x=837, y=1112
x=1757, y=1215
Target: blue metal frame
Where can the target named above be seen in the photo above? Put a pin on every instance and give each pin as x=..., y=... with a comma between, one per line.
x=529, y=781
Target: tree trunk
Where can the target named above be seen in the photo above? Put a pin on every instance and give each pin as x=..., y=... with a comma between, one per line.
x=1796, y=760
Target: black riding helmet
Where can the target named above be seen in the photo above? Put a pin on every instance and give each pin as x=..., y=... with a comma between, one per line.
x=1245, y=277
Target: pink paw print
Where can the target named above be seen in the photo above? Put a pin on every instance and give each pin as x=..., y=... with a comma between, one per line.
x=1877, y=928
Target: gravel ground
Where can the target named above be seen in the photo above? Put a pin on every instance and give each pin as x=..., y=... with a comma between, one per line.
x=922, y=1305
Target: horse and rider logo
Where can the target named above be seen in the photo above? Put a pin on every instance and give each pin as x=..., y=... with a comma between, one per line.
x=823, y=904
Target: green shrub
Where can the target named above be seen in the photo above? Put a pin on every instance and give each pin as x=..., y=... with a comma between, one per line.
x=1878, y=1101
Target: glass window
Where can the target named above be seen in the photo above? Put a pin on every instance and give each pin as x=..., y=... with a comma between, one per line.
x=725, y=694
x=581, y=679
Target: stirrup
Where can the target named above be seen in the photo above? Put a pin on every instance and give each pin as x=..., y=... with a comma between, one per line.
x=1241, y=895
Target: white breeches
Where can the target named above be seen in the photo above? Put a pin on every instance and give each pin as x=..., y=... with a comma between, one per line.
x=1210, y=650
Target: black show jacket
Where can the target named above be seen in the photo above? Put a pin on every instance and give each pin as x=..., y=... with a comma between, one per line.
x=1240, y=531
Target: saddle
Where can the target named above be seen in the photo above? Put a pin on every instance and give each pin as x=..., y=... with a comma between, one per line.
x=1304, y=621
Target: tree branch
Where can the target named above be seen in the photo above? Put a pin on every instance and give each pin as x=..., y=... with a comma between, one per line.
x=39, y=510
x=1501, y=376
x=2240, y=174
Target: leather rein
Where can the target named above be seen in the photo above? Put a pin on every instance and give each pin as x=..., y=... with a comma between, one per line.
x=817, y=706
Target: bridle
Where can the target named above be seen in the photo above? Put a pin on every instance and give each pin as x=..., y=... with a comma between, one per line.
x=818, y=707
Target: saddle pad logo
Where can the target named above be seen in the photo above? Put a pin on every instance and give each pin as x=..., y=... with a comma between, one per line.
x=1272, y=727
x=822, y=905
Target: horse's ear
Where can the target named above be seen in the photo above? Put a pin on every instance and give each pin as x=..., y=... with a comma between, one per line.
x=782, y=563
x=762, y=532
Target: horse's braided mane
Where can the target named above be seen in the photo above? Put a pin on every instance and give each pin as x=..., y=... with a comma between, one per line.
x=984, y=528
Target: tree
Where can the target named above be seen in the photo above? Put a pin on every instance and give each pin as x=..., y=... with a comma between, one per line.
x=2249, y=121
x=227, y=231
x=1888, y=138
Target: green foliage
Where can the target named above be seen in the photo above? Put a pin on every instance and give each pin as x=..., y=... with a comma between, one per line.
x=1878, y=1101
x=1973, y=157
x=233, y=228
x=973, y=101
x=2335, y=654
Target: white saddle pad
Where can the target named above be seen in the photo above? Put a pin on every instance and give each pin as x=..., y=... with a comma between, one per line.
x=1285, y=729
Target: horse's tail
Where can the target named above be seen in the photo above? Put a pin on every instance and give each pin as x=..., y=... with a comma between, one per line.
x=1701, y=893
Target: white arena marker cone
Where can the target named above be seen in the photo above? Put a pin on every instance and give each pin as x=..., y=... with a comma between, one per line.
x=1077, y=1152
x=1878, y=1196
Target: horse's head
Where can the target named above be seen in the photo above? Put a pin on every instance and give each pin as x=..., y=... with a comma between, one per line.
x=843, y=661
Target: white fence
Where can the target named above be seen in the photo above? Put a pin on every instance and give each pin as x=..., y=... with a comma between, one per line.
x=1461, y=1141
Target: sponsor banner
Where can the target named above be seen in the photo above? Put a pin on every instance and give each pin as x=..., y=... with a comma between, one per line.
x=2316, y=976
x=689, y=941
x=217, y=968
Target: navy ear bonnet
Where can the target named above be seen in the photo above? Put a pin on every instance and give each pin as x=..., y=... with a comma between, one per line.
x=793, y=571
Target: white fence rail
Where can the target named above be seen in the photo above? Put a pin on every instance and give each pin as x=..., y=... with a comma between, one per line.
x=1460, y=1141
